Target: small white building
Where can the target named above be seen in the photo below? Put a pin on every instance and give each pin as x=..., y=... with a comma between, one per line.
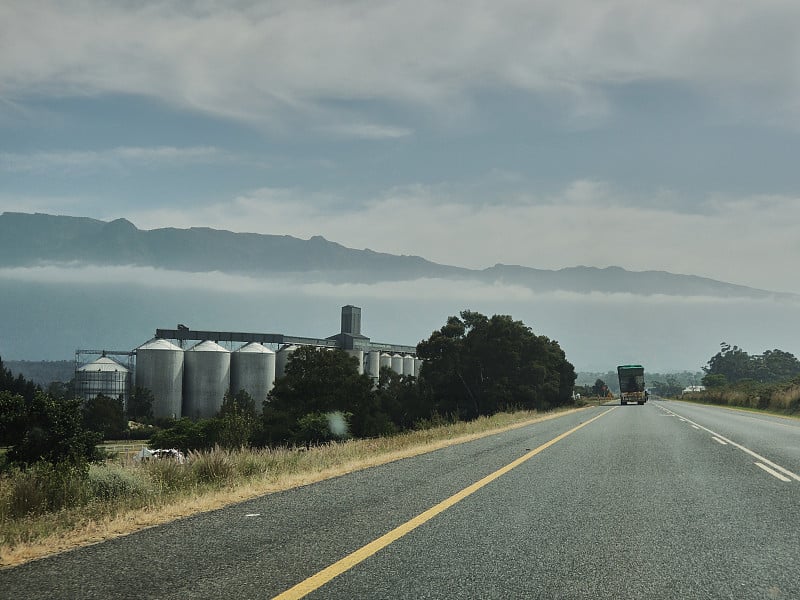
x=693, y=388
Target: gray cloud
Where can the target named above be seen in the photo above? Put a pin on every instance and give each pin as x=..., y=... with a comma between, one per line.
x=285, y=62
x=113, y=158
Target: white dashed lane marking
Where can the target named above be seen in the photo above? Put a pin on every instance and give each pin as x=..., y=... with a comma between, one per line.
x=767, y=465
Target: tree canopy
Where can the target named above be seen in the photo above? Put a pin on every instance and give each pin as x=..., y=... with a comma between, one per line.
x=318, y=381
x=105, y=416
x=16, y=385
x=732, y=365
x=475, y=365
x=45, y=429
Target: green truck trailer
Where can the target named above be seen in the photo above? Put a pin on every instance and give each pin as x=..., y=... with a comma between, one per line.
x=631, y=384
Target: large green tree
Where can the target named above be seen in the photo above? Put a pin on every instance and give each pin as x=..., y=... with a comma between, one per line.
x=140, y=405
x=45, y=429
x=777, y=365
x=105, y=416
x=319, y=381
x=475, y=365
x=732, y=365
x=17, y=385
x=400, y=400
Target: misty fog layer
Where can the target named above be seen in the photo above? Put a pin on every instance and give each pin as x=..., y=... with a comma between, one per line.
x=50, y=312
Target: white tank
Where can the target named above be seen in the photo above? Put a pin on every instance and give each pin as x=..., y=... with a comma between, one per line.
x=397, y=364
x=282, y=359
x=359, y=354
x=417, y=366
x=159, y=368
x=374, y=364
x=408, y=365
x=386, y=361
x=253, y=370
x=102, y=376
x=206, y=378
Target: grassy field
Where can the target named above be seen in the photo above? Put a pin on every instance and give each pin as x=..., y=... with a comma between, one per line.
x=44, y=511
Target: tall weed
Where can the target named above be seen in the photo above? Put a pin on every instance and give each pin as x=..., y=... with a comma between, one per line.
x=43, y=488
x=110, y=481
x=215, y=467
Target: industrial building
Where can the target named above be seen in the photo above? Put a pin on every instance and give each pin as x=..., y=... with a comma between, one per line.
x=191, y=382
x=103, y=376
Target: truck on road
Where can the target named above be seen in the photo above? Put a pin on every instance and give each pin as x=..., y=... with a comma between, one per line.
x=631, y=384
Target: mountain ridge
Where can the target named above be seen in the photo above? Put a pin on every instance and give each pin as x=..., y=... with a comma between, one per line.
x=35, y=239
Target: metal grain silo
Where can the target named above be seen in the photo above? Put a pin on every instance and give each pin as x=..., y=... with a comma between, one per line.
x=386, y=360
x=397, y=364
x=253, y=370
x=282, y=359
x=206, y=378
x=102, y=376
x=359, y=355
x=417, y=366
x=408, y=365
x=159, y=368
x=374, y=364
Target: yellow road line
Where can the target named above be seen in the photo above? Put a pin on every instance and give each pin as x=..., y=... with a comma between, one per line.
x=348, y=562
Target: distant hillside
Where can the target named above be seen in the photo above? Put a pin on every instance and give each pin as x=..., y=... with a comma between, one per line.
x=38, y=239
x=35, y=239
x=42, y=372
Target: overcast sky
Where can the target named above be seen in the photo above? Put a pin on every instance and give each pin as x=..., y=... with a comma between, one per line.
x=649, y=135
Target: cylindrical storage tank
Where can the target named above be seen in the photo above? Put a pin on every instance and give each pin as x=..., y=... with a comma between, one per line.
x=253, y=370
x=359, y=355
x=408, y=365
x=282, y=359
x=102, y=376
x=386, y=361
x=397, y=364
x=417, y=366
x=159, y=368
x=374, y=364
x=206, y=378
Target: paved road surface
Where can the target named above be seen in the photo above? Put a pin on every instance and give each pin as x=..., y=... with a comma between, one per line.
x=665, y=500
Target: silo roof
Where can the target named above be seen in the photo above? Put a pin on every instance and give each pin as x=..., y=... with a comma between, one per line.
x=255, y=347
x=207, y=346
x=158, y=344
x=103, y=364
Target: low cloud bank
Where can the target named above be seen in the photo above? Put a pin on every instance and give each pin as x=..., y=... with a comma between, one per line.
x=57, y=310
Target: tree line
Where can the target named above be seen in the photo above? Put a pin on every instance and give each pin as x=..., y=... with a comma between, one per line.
x=733, y=365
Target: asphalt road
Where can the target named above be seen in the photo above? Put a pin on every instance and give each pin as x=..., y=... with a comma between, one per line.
x=665, y=500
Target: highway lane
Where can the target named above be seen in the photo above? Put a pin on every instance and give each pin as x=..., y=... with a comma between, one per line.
x=777, y=438
x=637, y=504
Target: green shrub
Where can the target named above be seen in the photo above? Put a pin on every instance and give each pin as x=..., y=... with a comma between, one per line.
x=110, y=481
x=186, y=435
x=45, y=487
x=45, y=430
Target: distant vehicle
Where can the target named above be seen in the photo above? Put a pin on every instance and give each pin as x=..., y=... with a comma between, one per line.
x=631, y=384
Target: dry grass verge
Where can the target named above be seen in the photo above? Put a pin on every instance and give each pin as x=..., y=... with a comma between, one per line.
x=127, y=497
x=782, y=399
